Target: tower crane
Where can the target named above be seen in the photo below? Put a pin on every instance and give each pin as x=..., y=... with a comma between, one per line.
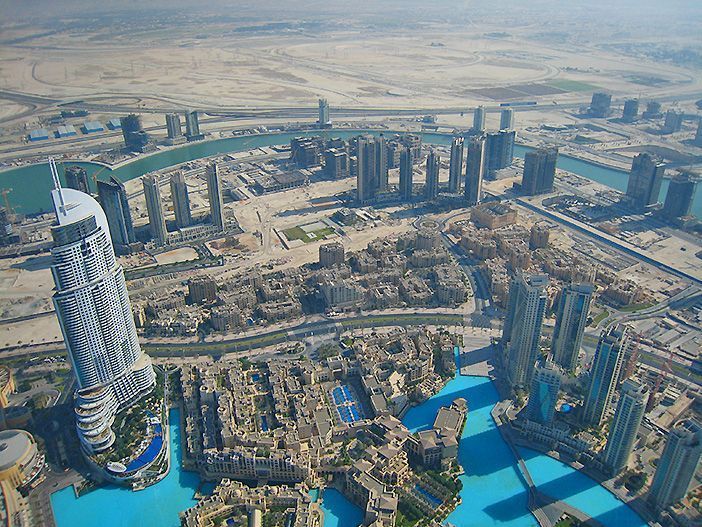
x=6, y=201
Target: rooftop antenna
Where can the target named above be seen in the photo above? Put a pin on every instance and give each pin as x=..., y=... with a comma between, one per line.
x=57, y=184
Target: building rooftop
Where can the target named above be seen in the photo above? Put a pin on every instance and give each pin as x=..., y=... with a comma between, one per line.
x=14, y=445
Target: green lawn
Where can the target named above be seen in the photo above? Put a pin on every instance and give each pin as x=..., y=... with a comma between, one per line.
x=599, y=318
x=571, y=85
x=297, y=233
x=636, y=307
x=568, y=522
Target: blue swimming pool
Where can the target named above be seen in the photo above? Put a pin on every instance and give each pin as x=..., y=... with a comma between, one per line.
x=436, y=502
x=149, y=454
x=314, y=495
x=339, y=511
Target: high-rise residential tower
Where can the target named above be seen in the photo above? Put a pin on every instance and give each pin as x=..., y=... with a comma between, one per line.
x=600, y=104
x=77, y=179
x=324, y=119
x=678, y=199
x=631, y=110
x=543, y=394
x=499, y=150
x=539, y=171
x=114, y=202
x=479, y=119
x=677, y=466
x=673, y=121
x=645, y=180
x=367, y=180
x=173, y=126
x=154, y=207
x=181, y=200
x=192, y=126
x=604, y=374
x=475, y=171
x=521, y=334
x=214, y=194
x=455, y=165
x=507, y=119
x=406, y=169
x=381, y=163
x=571, y=320
x=95, y=316
x=431, y=186
x=627, y=419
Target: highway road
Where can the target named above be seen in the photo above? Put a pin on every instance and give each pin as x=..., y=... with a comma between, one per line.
x=302, y=331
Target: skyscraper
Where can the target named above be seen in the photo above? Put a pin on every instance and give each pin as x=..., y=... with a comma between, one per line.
x=652, y=111
x=366, y=171
x=324, y=113
x=406, y=169
x=475, y=170
x=77, y=179
x=539, y=171
x=113, y=199
x=627, y=418
x=431, y=187
x=600, y=104
x=673, y=121
x=414, y=143
x=192, y=126
x=154, y=207
x=571, y=320
x=631, y=110
x=173, y=126
x=507, y=119
x=336, y=163
x=698, y=135
x=214, y=193
x=499, y=150
x=521, y=335
x=93, y=310
x=479, y=119
x=181, y=200
x=606, y=365
x=678, y=199
x=645, y=180
x=381, y=162
x=543, y=395
x=677, y=465
x=455, y=165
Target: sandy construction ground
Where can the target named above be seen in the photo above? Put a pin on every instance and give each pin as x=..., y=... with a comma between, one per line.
x=407, y=57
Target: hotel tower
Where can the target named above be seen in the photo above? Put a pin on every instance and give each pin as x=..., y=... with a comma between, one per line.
x=112, y=373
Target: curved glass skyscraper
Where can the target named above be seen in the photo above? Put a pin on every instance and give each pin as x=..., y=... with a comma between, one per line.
x=95, y=316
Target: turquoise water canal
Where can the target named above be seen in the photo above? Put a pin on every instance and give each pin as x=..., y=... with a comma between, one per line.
x=31, y=184
x=493, y=494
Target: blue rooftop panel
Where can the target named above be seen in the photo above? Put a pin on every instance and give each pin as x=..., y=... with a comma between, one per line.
x=93, y=126
x=39, y=135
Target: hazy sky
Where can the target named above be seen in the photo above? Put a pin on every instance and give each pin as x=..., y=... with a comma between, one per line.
x=663, y=11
